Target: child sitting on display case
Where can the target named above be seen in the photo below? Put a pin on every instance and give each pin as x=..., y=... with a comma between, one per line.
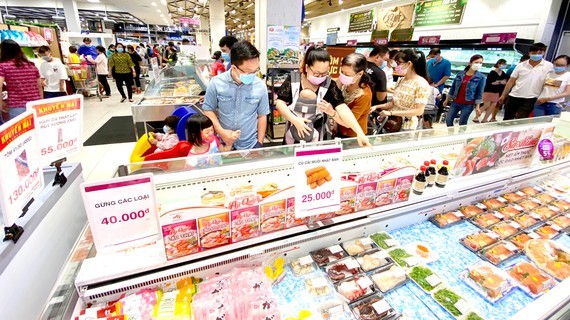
x=168, y=139
x=200, y=134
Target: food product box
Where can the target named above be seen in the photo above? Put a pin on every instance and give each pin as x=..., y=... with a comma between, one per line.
x=527, y=220
x=529, y=204
x=425, y=278
x=327, y=255
x=544, y=198
x=374, y=307
x=447, y=219
x=403, y=258
x=548, y=231
x=531, y=191
x=347, y=200
x=520, y=239
x=303, y=265
x=272, y=216
x=355, y=288
x=500, y=252
x=384, y=240
x=473, y=210
x=389, y=279
x=374, y=259
x=485, y=220
x=290, y=220
x=530, y=279
x=403, y=188
x=514, y=196
x=180, y=239
x=365, y=196
x=385, y=192
x=358, y=246
x=489, y=281
x=561, y=204
x=318, y=285
x=511, y=211
x=214, y=230
x=495, y=203
x=343, y=269
x=479, y=240
x=451, y=301
x=506, y=228
x=245, y=223
x=562, y=221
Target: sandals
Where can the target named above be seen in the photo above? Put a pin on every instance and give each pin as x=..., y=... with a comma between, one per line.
x=123, y=100
x=476, y=120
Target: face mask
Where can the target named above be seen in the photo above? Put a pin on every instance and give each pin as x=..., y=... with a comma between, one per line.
x=120, y=49
x=247, y=78
x=503, y=66
x=536, y=57
x=208, y=139
x=316, y=80
x=476, y=66
x=393, y=64
x=226, y=56
x=432, y=60
x=166, y=129
x=47, y=58
x=401, y=70
x=384, y=64
x=346, y=80
x=559, y=69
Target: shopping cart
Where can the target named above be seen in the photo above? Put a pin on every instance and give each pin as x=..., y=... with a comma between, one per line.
x=84, y=79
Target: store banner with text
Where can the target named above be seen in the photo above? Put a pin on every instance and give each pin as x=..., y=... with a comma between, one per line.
x=317, y=180
x=122, y=212
x=337, y=53
x=519, y=148
x=499, y=38
x=59, y=123
x=283, y=44
x=361, y=21
x=439, y=12
x=21, y=177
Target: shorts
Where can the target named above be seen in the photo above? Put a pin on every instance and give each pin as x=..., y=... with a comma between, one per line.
x=490, y=97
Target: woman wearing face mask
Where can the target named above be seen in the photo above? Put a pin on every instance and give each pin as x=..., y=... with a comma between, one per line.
x=218, y=65
x=314, y=76
x=356, y=91
x=124, y=71
x=466, y=91
x=389, y=70
x=556, y=89
x=412, y=90
x=494, y=86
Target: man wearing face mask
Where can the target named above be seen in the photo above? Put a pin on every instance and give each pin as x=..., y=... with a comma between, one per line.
x=52, y=73
x=237, y=100
x=439, y=68
x=87, y=49
x=377, y=61
x=226, y=43
x=526, y=82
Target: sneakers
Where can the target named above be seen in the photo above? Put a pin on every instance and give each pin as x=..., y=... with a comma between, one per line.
x=123, y=99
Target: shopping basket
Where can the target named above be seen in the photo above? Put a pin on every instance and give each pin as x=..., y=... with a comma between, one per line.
x=84, y=79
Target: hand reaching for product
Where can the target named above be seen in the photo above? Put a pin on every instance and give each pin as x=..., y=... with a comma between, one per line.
x=316, y=177
x=363, y=141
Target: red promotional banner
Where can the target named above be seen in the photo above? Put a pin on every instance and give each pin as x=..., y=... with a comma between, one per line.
x=429, y=40
x=499, y=38
x=337, y=53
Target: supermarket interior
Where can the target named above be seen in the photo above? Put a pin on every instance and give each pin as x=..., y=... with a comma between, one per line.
x=285, y=159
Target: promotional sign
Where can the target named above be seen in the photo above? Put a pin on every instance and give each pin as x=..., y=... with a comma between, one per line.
x=361, y=21
x=337, y=53
x=393, y=18
x=283, y=44
x=21, y=177
x=317, y=180
x=519, y=148
x=155, y=69
x=429, y=40
x=48, y=34
x=59, y=123
x=380, y=41
x=122, y=212
x=332, y=36
x=499, y=38
x=438, y=12
x=351, y=42
x=189, y=21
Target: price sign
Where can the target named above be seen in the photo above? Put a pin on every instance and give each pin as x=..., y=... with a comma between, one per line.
x=317, y=180
x=59, y=122
x=21, y=177
x=122, y=212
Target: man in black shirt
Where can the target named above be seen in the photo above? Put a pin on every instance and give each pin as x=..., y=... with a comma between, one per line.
x=376, y=61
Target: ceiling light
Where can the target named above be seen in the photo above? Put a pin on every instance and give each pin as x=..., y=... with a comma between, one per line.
x=162, y=15
x=180, y=9
x=339, y=1
x=153, y=4
x=158, y=10
x=92, y=0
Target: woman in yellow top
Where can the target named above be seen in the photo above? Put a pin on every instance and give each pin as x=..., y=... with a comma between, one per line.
x=73, y=56
x=124, y=71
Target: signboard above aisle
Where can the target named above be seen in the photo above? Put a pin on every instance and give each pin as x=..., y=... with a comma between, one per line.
x=439, y=12
x=361, y=21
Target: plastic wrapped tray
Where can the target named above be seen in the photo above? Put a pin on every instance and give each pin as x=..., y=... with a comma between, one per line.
x=546, y=212
x=423, y=251
x=334, y=309
x=374, y=307
x=318, y=285
x=452, y=302
x=494, y=203
x=562, y=221
x=358, y=246
x=520, y=239
x=561, y=204
x=327, y=255
x=473, y=210
x=356, y=288
x=547, y=231
x=486, y=220
x=384, y=240
x=447, y=219
x=531, y=191
x=303, y=265
x=500, y=253
x=403, y=258
x=527, y=220
x=480, y=240
x=425, y=278
x=389, y=279
x=511, y=211
x=343, y=269
x=529, y=204
x=512, y=197
x=530, y=279
x=506, y=228
x=374, y=259
x=489, y=281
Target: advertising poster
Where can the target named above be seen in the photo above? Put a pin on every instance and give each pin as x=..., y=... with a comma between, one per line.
x=283, y=44
x=59, y=123
x=361, y=21
x=317, y=180
x=337, y=53
x=390, y=19
x=520, y=148
x=122, y=212
x=332, y=36
x=21, y=177
x=499, y=38
x=438, y=12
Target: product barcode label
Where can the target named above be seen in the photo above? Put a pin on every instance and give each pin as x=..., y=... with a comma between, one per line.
x=520, y=193
x=536, y=216
x=381, y=307
x=352, y=264
x=537, y=188
x=458, y=214
x=493, y=235
x=433, y=280
x=319, y=282
x=381, y=254
x=503, y=200
x=335, y=249
x=462, y=306
x=510, y=246
x=412, y=261
x=399, y=272
x=366, y=241
x=481, y=206
x=533, y=235
x=498, y=215
x=515, y=225
x=555, y=227
x=390, y=242
x=518, y=208
x=553, y=208
x=364, y=282
x=305, y=260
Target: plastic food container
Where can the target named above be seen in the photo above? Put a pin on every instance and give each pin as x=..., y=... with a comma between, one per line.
x=506, y=229
x=514, y=196
x=384, y=240
x=479, y=240
x=520, y=239
x=403, y=258
x=374, y=259
x=529, y=204
x=500, y=252
x=425, y=278
x=389, y=279
x=374, y=307
x=495, y=203
x=318, y=285
x=451, y=302
x=546, y=212
x=531, y=191
x=448, y=219
x=548, y=231
x=485, y=220
x=489, y=281
x=358, y=246
x=511, y=211
x=303, y=265
x=343, y=269
x=327, y=255
x=334, y=309
x=530, y=279
x=527, y=220
x=423, y=251
x=473, y=210
x=355, y=288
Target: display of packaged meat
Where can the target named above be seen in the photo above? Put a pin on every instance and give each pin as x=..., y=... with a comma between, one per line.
x=547, y=231
x=374, y=307
x=545, y=198
x=485, y=220
x=303, y=265
x=388, y=279
x=520, y=239
x=374, y=259
x=425, y=278
x=561, y=204
x=511, y=211
x=529, y=204
x=506, y=229
x=514, y=196
x=527, y=220
x=500, y=252
x=334, y=309
x=472, y=210
x=488, y=280
x=355, y=288
x=562, y=221
x=318, y=285
x=530, y=279
x=384, y=240
x=358, y=246
x=550, y=256
x=343, y=269
x=546, y=213
x=531, y=191
x=480, y=240
x=451, y=301
x=448, y=219
x=495, y=203
x=327, y=255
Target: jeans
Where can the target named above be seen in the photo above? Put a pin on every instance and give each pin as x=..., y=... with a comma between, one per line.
x=547, y=109
x=48, y=94
x=454, y=109
x=14, y=112
x=127, y=79
x=518, y=108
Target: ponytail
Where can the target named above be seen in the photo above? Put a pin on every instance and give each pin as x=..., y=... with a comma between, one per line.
x=418, y=60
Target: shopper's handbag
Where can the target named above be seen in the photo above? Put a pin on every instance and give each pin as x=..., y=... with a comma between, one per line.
x=392, y=124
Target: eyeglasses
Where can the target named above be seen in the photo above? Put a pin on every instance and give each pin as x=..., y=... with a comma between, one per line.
x=243, y=72
x=319, y=74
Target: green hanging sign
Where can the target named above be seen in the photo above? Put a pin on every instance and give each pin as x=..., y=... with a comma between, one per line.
x=439, y=12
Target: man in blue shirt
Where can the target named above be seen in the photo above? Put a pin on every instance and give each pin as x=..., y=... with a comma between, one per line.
x=439, y=70
x=86, y=49
x=226, y=43
x=237, y=100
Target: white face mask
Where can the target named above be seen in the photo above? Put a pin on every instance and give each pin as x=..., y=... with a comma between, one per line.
x=393, y=64
x=476, y=66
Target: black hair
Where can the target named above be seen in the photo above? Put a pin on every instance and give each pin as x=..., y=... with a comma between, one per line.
x=417, y=59
x=313, y=55
x=130, y=47
x=500, y=61
x=101, y=49
x=119, y=44
x=434, y=51
x=44, y=49
x=243, y=51
x=394, y=53
x=172, y=121
x=171, y=44
x=185, y=41
x=10, y=50
x=141, y=44
x=111, y=46
x=565, y=57
x=217, y=55
x=379, y=50
x=524, y=58
x=227, y=41
x=357, y=62
x=539, y=46
x=86, y=40
x=194, y=126
x=473, y=58
x=72, y=49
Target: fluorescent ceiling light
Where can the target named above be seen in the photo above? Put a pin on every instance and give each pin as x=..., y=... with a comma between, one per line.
x=153, y=4
x=233, y=12
x=158, y=10
x=56, y=17
x=249, y=5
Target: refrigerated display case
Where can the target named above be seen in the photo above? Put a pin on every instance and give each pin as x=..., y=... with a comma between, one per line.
x=177, y=86
x=269, y=173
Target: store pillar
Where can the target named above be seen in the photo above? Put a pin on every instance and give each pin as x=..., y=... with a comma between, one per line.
x=217, y=22
x=203, y=35
x=71, y=15
x=275, y=13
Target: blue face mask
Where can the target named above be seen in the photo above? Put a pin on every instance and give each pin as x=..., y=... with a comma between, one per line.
x=432, y=60
x=503, y=66
x=384, y=64
x=120, y=50
x=559, y=69
x=226, y=56
x=247, y=78
x=47, y=58
x=536, y=57
x=166, y=129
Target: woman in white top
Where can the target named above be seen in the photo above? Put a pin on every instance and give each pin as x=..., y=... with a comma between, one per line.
x=102, y=69
x=412, y=91
x=556, y=89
